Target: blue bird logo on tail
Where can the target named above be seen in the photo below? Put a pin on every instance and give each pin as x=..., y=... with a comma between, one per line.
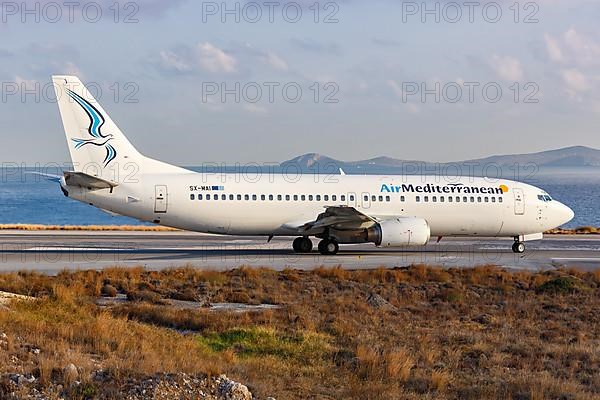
x=96, y=123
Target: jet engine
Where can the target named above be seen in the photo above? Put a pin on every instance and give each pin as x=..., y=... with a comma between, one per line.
x=402, y=231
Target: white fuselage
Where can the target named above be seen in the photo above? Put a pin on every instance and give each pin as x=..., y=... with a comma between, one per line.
x=274, y=205
x=388, y=211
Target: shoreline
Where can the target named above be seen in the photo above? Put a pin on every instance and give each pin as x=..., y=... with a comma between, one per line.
x=584, y=230
x=91, y=228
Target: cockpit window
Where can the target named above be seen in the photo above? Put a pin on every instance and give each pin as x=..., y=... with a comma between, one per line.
x=548, y=198
x=544, y=197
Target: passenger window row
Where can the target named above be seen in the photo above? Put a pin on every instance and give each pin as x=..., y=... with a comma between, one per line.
x=342, y=198
x=271, y=197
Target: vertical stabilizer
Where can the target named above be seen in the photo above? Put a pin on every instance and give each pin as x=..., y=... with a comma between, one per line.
x=96, y=144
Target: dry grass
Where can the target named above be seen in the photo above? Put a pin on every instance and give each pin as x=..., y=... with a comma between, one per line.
x=583, y=230
x=479, y=333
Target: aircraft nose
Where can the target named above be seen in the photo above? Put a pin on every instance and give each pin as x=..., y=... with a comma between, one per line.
x=563, y=214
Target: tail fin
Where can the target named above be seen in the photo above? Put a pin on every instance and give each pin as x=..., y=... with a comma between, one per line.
x=96, y=144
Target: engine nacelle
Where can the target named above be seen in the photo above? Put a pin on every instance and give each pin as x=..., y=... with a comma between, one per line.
x=400, y=232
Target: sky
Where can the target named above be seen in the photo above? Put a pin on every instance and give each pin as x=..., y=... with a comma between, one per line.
x=191, y=82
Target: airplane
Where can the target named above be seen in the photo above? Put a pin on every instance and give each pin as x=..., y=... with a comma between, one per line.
x=388, y=211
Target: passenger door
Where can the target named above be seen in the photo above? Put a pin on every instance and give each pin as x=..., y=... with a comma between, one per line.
x=519, y=201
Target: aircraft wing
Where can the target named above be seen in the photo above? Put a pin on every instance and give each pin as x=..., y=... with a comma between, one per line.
x=339, y=218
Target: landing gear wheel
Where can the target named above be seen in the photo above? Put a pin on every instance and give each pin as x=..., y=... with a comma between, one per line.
x=518, y=247
x=302, y=245
x=328, y=247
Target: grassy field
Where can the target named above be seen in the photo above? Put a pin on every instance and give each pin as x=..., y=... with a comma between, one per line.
x=410, y=333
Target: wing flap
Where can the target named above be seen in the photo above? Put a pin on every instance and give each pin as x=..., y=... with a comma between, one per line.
x=338, y=217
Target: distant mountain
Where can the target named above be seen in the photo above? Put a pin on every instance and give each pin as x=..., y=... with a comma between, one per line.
x=576, y=156
x=310, y=159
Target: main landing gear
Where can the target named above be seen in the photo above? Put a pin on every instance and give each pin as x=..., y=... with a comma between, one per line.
x=327, y=247
x=302, y=245
x=518, y=246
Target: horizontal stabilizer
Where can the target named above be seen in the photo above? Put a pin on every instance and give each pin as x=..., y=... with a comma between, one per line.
x=49, y=177
x=87, y=181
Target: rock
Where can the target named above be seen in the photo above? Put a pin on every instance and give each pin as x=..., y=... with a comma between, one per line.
x=70, y=373
x=232, y=390
x=6, y=297
x=21, y=380
x=160, y=387
x=108, y=291
x=483, y=319
x=31, y=348
x=376, y=301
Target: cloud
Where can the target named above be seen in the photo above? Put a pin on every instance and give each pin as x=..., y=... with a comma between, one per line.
x=584, y=49
x=56, y=51
x=252, y=55
x=316, y=47
x=62, y=12
x=25, y=83
x=173, y=61
x=575, y=80
x=383, y=42
x=241, y=59
x=395, y=87
x=69, y=68
x=255, y=109
x=553, y=48
x=579, y=57
x=507, y=68
x=573, y=48
x=413, y=109
x=213, y=59
x=275, y=62
x=157, y=8
x=201, y=57
x=212, y=105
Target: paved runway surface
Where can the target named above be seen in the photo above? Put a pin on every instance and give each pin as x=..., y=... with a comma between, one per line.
x=52, y=251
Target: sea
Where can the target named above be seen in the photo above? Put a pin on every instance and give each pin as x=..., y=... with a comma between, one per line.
x=29, y=199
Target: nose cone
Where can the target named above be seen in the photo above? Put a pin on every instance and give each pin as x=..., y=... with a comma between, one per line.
x=562, y=214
